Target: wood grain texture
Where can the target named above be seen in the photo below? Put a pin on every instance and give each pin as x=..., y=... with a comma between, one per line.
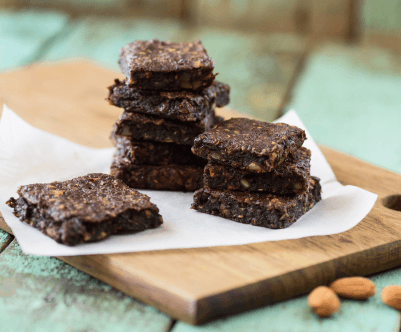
x=294, y=315
x=53, y=296
x=78, y=89
x=200, y=284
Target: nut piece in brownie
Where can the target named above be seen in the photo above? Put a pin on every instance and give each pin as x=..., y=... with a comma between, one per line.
x=84, y=209
x=181, y=105
x=154, y=153
x=140, y=126
x=249, y=144
x=266, y=210
x=292, y=176
x=163, y=65
x=159, y=177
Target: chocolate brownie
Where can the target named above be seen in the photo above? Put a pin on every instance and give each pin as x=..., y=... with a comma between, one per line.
x=163, y=65
x=249, y=144
x=266, y=210
x=84, y=209
x=140, y=126
x=154, y=153
x=181, y=105
x=159, y=177
x=222, y=93
x=292, y=176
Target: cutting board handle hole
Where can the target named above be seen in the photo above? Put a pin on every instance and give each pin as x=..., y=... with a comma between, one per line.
x=392, y=202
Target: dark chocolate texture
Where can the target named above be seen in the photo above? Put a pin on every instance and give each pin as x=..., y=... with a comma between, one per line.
x=163, y=65
x=266, y=210
x=140, y=126
x=162, y=177
x=181, y=105
x=84, y=209
x=292, y=176
x=154, y=153
x=249, y=144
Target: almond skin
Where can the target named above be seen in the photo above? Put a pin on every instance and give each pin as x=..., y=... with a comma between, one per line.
x=323, y=301
x=354, y=288
x=391, y=295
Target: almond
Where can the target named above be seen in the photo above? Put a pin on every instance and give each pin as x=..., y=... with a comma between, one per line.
x=391, y=295
x=354, y=288
x=323, y=301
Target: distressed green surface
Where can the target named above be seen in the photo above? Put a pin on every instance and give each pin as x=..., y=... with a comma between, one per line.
x=295, y=316
x=102, y=39
x=381, y=16
x=52, y=296
x=5, y=239
x=23, y=33
x=350, y=99
x=258, y=68
x=343, y=96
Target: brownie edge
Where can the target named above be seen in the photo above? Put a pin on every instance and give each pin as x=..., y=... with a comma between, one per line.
x=292, y=176
x=266, y=210
x=182, y=105
x=159, y=177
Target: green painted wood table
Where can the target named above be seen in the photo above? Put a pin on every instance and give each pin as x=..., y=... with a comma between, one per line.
x=347, y=96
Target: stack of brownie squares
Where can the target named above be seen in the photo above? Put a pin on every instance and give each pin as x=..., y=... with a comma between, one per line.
x=169, y=97
x=257, y=173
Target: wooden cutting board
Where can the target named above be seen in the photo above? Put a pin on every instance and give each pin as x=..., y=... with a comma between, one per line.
x=195, y=285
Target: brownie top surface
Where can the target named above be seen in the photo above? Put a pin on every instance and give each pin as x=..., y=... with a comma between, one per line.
x=164, y=56
x=249, y=136
x=91, y=198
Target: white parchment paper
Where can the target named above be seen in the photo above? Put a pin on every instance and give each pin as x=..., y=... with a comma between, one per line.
x=29, y=155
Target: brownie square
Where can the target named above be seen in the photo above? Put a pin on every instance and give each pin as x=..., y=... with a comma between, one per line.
x=259, y=209
x=292, y=176
x=248, y=144
x=181, y=105
x=154, y=153
x=164, y=65
x=159, y=177
x=140, y=126
x=84, y=209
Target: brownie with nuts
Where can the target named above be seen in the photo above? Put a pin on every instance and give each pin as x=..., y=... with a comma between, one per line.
x=248, y=144
x=154, y=153
x=84, y=209
x=181, y=105
x=140, y=126
x=259, y=209
x=159, y=177
x=292, y=176
x=164, y=65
